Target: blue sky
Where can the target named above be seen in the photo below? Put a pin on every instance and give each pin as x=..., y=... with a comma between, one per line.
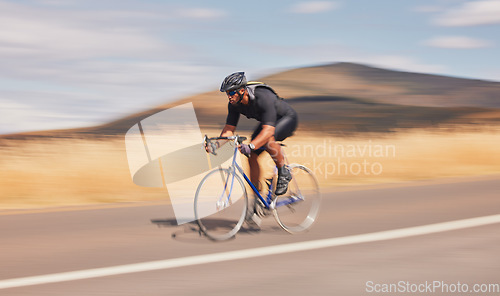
x=74, y=63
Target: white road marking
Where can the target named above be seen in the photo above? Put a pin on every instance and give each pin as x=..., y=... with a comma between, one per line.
x=250, y=253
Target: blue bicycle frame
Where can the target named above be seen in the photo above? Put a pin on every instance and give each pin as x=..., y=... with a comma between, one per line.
x=265, y=201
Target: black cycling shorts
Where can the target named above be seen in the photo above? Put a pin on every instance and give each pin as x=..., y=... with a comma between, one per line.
x=285, y=127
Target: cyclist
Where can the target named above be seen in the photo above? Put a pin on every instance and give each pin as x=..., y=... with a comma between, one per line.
x=278, y=120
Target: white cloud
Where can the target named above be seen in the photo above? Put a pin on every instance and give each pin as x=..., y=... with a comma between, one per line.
x=47, y=34
x=484, y=12
x=328, y=53
x=36, y=38
x=457, y=42
x=98, y=90
x=311, y=7
x=38, y=114
x=90, y=93
x=202, y=13
x=404, y=63
x=57, y=2
x=491, y=74
x=428, y=8
x=81, y=66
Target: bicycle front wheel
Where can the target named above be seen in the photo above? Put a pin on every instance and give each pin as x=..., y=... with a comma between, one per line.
x=220, y=204
x=296, y=210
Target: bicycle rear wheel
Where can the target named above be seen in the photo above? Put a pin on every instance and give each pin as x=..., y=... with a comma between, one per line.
x=296, y=210
x=220, y=204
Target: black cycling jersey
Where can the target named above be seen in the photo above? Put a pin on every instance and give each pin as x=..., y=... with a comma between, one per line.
x=264, y=105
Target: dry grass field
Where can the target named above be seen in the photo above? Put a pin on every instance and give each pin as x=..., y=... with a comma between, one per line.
x=62, y=172
x=373, y=126
x=412, y=155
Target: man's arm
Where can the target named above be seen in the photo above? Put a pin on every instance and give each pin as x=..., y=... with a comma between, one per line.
x=228, y=131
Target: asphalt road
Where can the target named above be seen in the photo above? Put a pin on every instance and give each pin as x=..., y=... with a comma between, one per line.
x=54, y=241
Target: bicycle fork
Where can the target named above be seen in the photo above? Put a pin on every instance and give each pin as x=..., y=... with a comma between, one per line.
x=224, y=200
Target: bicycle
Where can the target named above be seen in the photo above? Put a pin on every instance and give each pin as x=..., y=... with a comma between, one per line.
x=221, y=202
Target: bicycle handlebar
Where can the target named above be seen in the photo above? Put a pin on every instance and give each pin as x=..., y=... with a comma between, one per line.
x=239, y=139
x=208, y=141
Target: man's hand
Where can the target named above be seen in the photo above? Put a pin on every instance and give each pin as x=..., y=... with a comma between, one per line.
x=210, y=147
x=245, y=149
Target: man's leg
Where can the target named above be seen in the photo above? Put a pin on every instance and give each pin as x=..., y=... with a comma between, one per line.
x=284, y=129
x=274, y=149
x=254, y=169
x=251, y=217
x=284, y=176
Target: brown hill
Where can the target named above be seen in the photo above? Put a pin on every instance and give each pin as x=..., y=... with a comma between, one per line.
x=344, y=97
x=387, y=86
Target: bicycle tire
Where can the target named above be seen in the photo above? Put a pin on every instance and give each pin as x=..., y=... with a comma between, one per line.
x=220, y=222
x=297, y=209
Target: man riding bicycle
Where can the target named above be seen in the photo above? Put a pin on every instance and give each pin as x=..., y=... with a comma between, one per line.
x=278, y=120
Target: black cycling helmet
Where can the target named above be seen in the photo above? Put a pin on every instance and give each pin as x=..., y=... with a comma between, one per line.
x=234, y=81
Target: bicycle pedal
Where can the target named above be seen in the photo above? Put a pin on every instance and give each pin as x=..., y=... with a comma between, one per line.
x=272, y=204
x=256, y=219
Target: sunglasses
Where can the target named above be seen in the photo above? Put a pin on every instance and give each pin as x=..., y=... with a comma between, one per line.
x=231, y=93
